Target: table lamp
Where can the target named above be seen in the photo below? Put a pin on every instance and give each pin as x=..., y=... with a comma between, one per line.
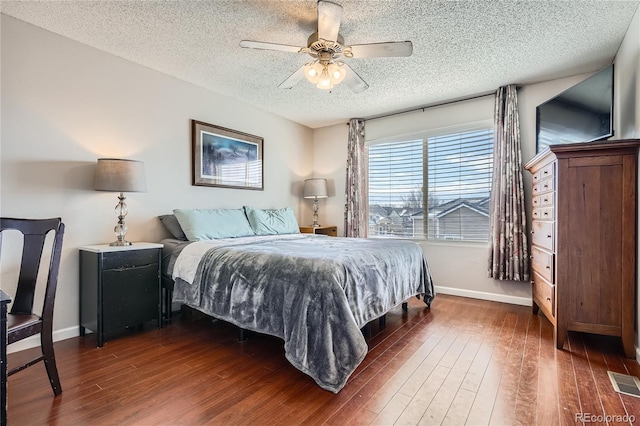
x=315, y=188
x=118, y=175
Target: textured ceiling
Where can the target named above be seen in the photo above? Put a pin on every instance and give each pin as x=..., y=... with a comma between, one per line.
x=461, y=48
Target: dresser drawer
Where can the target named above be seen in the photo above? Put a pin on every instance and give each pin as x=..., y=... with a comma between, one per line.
x=542, y=234
x=543, y=173
x=543, y=187
x=543, y=200
x=544, y=293
x=542, y=263
x=545, y=213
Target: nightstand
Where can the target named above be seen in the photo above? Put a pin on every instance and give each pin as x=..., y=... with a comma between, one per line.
x=329, y=230
x=119, y=287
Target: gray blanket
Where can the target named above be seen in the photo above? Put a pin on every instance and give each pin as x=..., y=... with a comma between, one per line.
x=314, y=292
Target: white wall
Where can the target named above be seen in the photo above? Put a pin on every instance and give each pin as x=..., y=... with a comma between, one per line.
x=627, y=83
x=330, y=162
x=65, y=104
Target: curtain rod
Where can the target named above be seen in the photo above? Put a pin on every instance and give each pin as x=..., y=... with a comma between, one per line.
x=423, y=108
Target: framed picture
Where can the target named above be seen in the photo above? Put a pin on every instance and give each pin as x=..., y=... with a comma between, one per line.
x=226, y=158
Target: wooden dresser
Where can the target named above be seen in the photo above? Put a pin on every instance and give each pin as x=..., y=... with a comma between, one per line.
x=583, y=238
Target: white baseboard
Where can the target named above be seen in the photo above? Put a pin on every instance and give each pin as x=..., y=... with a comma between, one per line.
x=638, y=354
x=494, y=297
x=34, y=341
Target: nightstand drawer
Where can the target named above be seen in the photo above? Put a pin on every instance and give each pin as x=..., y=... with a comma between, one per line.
x=129, y=259
x=329, y=230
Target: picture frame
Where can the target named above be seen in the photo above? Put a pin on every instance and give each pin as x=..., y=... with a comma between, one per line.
x=226, y=158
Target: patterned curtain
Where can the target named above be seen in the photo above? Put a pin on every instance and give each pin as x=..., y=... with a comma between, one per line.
x=355, y=222
x=509, y=254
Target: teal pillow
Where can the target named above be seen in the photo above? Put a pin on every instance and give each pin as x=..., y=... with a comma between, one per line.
x=272, y=222
x=209, y=224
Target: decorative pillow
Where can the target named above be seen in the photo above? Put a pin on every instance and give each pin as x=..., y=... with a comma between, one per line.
x=208, y=224
x=272, y=222
x=171, y=223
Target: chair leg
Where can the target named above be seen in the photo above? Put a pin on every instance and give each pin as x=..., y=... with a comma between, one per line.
x=50, y=363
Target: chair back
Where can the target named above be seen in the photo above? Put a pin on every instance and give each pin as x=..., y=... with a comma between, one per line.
x=35, y=232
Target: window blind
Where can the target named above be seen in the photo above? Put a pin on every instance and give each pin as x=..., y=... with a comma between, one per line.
x=436, y=187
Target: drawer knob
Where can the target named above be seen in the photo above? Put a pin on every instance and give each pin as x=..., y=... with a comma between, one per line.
x=548, y=299
x=546, y=214
x=548, y=236
x=547, y=267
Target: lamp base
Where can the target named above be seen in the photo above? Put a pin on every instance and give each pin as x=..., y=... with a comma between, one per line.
x=122, y=243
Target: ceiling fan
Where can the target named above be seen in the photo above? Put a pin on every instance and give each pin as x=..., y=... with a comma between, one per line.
x=326, y=47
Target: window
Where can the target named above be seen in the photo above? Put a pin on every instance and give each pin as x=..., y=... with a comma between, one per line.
x=434, y=186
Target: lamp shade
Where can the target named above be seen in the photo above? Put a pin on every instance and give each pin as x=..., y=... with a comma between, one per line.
x=118, y=175
x=315, y=188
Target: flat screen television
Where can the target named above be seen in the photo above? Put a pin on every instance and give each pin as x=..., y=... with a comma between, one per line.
x=582, y=113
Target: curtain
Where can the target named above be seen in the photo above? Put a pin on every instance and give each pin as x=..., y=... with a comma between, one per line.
x=509, y=254
x=355, y=221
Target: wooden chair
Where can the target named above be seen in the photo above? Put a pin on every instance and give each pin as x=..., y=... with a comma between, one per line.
x=21, y=321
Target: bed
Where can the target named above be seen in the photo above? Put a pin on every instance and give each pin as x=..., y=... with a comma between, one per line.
x=315, y=292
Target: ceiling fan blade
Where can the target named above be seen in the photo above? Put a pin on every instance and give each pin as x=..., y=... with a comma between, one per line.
x=269, y=46
x=392, y=48
x=329, y=17
x=353, y=80
x=293, y=79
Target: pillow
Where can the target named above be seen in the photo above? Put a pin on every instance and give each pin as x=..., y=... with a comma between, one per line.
x=208, y=224
x=171, y=223
x=272, y=222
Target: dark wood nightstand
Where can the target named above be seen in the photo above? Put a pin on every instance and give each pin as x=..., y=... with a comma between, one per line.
x=119, y=287
x=329, y=230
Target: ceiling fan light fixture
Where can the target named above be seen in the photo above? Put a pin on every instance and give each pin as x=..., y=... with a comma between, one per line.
x=313, y=71
x=336, y=73
x=324, y=74
x=325, y=82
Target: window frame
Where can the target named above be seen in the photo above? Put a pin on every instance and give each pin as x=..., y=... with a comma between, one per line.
x=424, y=135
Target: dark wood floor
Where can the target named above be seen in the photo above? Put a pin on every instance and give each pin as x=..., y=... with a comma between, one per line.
x=463, y=362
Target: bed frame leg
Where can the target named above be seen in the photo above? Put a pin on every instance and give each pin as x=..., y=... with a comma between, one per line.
x=366, y=331
x=405, y=306
x=242, y=334
x=382, y=321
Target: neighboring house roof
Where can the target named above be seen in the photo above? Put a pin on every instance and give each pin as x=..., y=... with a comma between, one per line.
x=382, y=214
x=459, y=203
